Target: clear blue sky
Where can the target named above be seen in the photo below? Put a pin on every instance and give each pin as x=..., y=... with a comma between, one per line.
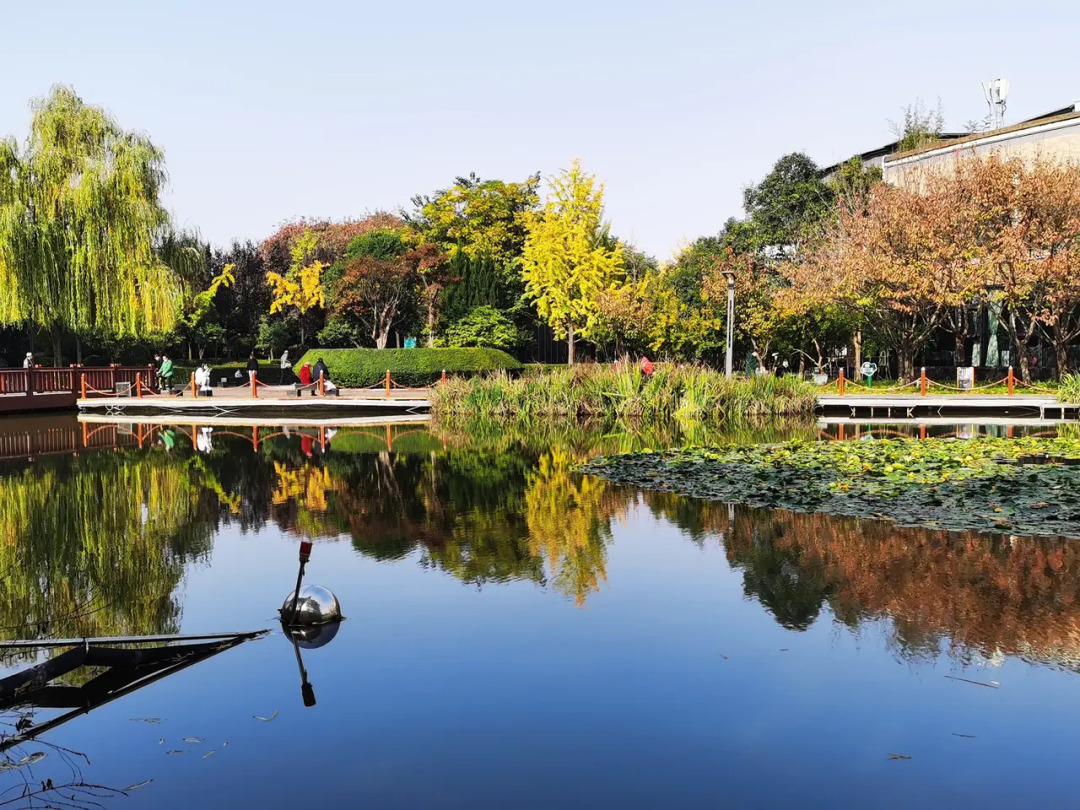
x=269, y=110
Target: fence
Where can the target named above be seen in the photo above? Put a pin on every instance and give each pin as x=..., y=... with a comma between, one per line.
x=39, y=388
x=923, y=384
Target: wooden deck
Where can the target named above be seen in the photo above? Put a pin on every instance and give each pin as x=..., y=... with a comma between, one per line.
x=908, y=406
x=271, y=399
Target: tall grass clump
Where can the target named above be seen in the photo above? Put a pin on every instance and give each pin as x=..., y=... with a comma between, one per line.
x=1069, y=390
x=689, y=393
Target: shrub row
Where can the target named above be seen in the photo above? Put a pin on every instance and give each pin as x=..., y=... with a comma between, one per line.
x=360, y=368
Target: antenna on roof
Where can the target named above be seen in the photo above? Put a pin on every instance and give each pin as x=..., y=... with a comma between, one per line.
x=996, y=92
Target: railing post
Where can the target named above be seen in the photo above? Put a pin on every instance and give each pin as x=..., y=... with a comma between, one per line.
x=151, y=375
x=840, y=382
x=922, y=381
x=194, y=390
x=138, y=384
x=255, y=384
x=30, y=381
x=388, y=382
x=1011, y=382
x=82, y=385
x=322, y=384
x=442, y=379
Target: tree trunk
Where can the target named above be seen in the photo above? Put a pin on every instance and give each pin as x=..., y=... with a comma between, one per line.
x=190, y=352
x=382, y=338
x=906, y=361
x=431, y=325
x=856, y=342
x=1061, y=354
x=961, y=336
x=303, y=333
x=58, y=349
x=570, y=344
x=78, y=350
x=1020, y=341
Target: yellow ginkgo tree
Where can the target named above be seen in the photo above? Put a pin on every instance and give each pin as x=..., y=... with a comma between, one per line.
x=301, y=288
x=569, y=259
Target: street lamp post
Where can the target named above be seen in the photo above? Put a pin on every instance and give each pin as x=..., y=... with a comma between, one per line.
x=730, y=322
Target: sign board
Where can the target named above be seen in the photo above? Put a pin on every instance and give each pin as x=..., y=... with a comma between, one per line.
x=410, y=343
x=868, y=369
x=965, y=378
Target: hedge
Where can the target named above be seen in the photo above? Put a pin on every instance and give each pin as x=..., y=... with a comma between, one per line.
x=360, y=368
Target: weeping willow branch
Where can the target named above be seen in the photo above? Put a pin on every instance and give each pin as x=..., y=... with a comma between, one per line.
x=82, y=226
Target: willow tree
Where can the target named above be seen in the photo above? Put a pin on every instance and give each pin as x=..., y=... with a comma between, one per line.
x=82, y=224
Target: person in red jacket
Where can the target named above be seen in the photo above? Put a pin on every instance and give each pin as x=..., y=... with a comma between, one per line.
x=305, y=374
x=646, y=366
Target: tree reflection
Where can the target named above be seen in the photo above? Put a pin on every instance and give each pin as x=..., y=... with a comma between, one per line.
x=96, y=544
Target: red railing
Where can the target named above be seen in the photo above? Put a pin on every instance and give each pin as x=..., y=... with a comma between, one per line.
x=30, y=381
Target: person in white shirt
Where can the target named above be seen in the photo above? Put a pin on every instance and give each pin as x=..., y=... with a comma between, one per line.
x=29, y=361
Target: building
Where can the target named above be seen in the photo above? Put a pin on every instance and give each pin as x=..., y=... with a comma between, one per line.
x=1055, y=134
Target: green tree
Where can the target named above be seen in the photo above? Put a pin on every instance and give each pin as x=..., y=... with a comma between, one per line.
x=82, y=225
x=567, y=262
x=478, y=217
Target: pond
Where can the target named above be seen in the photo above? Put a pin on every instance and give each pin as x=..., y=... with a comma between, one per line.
x=517, y=634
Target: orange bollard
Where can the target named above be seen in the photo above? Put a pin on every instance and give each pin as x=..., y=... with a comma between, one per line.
x=922, y=381
x=840, y=381
x=255, y=384
x=322, y=384
x=138, y=386
x=194, y=391
x=442, y=379
x=82, y=385
x=1011, y=382
x=388, y=382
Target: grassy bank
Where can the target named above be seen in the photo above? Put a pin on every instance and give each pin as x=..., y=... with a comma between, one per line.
x=686, y=393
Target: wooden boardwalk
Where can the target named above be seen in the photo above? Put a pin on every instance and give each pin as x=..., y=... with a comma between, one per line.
x=911, y=405
x=275, y=399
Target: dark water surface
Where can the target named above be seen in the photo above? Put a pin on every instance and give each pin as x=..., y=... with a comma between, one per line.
x=520, y=636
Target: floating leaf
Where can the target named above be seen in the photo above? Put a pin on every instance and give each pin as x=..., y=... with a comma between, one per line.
x=193, y=739
x=209, y=753
x=899, y=756
x=130, y=788
x=267, y=719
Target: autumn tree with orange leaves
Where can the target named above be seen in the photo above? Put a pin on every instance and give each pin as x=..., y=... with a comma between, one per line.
x=918, y=256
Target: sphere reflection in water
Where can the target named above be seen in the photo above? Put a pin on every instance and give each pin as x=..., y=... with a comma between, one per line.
x=311, y=637
x=316, y=606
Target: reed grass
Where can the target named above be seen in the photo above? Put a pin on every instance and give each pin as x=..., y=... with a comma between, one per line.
x=685, y=393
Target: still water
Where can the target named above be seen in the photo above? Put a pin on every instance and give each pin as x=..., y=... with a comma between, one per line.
x=518, y=635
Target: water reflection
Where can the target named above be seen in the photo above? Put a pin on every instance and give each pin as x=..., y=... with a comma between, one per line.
x=97, y=543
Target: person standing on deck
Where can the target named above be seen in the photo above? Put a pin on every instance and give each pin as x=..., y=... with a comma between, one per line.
x=252, y=367
x=286, y=368
x=321, y=369
x=305, y=374
x=28, y=362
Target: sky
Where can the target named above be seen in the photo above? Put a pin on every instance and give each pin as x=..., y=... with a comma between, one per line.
x=269, y=111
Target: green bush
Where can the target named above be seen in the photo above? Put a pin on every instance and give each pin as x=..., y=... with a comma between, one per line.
x=360, y=368
x=484, y=326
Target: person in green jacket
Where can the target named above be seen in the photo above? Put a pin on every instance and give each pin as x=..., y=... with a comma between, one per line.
x=166, y=372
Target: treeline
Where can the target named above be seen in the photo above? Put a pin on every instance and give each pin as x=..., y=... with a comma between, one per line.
x=980, y=253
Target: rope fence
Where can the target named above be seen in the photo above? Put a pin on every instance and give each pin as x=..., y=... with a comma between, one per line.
x=924, y=383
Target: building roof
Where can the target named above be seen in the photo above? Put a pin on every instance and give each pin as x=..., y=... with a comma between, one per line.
x=885, y=150
x=1031, y=123
x=889, y=149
